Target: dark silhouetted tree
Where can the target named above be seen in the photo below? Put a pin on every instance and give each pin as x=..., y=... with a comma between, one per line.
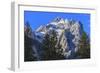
x=28, y=42
x=84, y=47
x=50, y=48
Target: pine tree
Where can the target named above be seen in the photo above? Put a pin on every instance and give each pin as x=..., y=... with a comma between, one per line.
x=84, y=47
x=28, y=42
x=49, y=47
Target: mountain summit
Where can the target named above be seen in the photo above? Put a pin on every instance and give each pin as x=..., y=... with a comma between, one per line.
x=68, y=33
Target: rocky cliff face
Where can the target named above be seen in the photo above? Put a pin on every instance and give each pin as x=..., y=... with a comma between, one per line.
x=68, y=32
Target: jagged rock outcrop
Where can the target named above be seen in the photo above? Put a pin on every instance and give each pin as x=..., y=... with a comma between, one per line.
x=68, y=32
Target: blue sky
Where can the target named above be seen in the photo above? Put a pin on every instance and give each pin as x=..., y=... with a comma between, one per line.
x=37, y=18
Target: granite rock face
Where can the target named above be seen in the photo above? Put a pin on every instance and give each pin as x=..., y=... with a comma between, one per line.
x=69, y=33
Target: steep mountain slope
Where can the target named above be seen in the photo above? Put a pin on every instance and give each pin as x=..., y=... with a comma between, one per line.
x=69, y=33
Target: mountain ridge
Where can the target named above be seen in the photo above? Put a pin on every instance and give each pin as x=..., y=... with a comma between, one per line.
x=69, y=33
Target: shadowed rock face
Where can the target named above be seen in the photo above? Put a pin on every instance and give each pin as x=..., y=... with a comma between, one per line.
x=68, y=32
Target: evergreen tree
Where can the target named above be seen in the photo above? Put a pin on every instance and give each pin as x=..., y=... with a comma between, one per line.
x=28, y=42
x=84, y=47
x=49, y=47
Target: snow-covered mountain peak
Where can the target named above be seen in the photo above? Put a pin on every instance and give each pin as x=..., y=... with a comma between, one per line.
x=67, y=31
x=58, y=19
